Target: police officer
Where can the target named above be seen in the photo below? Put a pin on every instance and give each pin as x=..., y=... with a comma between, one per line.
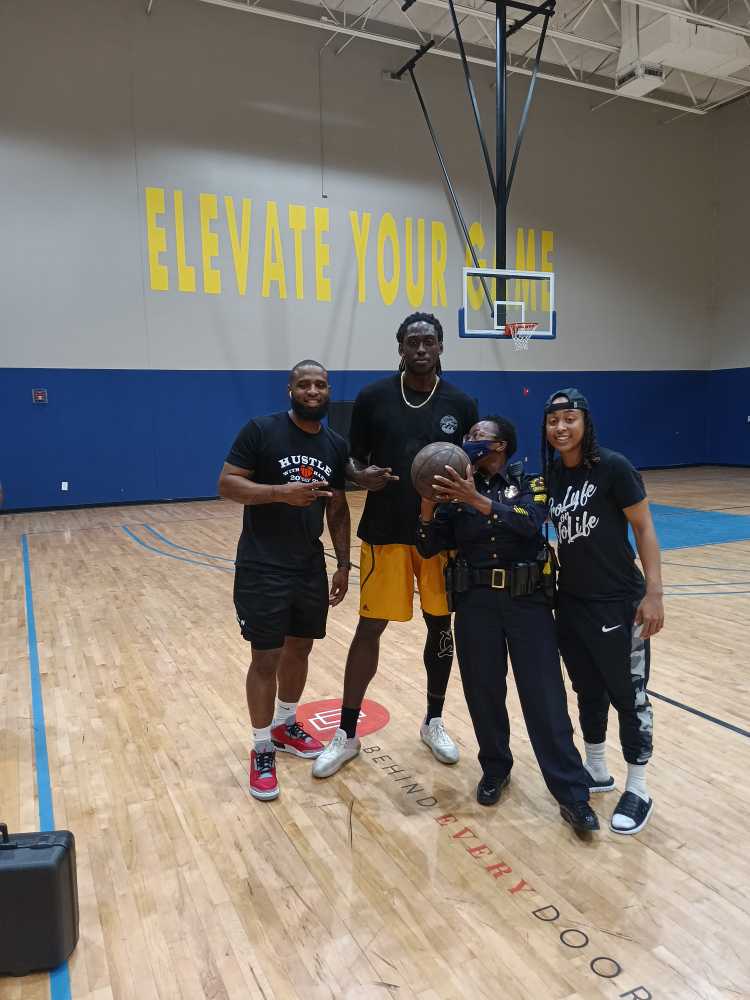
x=493, y=518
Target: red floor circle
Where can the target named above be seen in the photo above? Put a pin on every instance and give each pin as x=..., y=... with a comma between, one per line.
x=321, y=718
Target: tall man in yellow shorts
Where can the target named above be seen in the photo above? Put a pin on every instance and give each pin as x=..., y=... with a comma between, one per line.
x=392, y=420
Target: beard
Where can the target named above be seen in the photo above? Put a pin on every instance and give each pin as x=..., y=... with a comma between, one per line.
x=310, y=412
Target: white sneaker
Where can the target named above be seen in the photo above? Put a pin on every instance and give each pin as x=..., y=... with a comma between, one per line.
x=340, y=750
x=436, y=738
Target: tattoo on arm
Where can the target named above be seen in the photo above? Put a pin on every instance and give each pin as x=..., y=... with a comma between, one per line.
x=339, y=525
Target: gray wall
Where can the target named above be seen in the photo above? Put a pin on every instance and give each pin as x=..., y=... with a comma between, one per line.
x=729, y=324
x=101, y=102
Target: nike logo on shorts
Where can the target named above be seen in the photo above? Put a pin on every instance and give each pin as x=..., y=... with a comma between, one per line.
x=611, y=628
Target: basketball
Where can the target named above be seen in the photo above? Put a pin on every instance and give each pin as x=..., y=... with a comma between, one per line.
x=431, y=461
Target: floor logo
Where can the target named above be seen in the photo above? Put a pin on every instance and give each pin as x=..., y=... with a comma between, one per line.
x=321, y=718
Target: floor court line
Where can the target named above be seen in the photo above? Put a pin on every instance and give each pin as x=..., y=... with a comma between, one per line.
x=184, y=548
x=697, y=711
x=208, y=555
x=168, y=555
x=59, y=977
x=654, y=694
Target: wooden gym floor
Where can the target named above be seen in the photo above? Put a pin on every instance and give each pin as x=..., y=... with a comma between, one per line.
x=357, y=887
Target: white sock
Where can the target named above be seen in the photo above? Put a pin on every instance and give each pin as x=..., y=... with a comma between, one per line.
x=286, y=712
x=636, y=782
x=596, y=761
x=261, y=736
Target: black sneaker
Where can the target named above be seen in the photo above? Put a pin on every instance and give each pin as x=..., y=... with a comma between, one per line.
x=580, y=815
x=599, y=786
x=490, y=789
x=632, y=812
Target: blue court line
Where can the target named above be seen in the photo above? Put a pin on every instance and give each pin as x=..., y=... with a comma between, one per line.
x=44, y=788
x=184, y=548
x=210, y=555
x=168, y=555
x=59, y=978
x=683, y=527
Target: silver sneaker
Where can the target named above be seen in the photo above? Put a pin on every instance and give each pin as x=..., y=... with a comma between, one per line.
x=436, y=738
x=340, y=750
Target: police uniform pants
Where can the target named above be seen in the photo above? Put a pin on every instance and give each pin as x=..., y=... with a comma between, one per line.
x=489, y=624
x=608, y=663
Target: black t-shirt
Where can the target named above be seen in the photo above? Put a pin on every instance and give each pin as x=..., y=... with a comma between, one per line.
x=597, y=561
x=280, y=452
x=387, y=432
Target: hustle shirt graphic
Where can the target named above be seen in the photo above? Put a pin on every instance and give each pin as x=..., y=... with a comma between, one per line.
x=304, y=469
x=571, y=518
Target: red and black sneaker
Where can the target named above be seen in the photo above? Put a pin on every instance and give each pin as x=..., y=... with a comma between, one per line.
x=293, y=739
x=263, y=783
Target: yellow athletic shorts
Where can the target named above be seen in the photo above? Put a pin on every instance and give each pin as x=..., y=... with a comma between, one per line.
x=387, y=574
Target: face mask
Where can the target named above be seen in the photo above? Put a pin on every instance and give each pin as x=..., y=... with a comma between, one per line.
x=477, y=450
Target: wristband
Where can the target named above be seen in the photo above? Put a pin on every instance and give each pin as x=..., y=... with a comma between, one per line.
x=345, y=565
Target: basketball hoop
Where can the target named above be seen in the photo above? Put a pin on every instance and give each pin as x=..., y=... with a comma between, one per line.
x=520, y=334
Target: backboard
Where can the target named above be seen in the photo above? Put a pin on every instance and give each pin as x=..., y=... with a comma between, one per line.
x=514, y=297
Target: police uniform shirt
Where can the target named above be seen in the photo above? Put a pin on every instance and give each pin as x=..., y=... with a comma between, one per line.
x=279, y=452
x=510, y=533
x=388, y=433
x=597, y=561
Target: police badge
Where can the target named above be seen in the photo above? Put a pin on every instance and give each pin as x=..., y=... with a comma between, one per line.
x=510, y=491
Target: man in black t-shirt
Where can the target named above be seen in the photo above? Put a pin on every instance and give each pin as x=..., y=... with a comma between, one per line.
x=392, y=420
x=286, y=468
x=606, y=610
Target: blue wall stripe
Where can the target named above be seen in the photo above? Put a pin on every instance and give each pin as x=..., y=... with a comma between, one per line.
x=59, y=980
x=136, y=436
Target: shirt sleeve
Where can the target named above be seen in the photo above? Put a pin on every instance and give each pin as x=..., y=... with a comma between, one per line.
x=245, y=451
x=527, y=512
x=627, y=484
x=436, y=535
x=360, y=445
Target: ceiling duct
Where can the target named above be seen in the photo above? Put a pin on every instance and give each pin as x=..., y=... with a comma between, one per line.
x=635, y=76
x=694, y=48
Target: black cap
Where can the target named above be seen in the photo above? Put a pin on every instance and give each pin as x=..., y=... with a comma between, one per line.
x=575, y=400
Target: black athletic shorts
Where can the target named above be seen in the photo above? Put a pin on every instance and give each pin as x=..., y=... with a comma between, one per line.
x=273, y=602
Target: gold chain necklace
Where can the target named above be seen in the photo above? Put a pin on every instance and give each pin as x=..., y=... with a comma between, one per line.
x=417, y=406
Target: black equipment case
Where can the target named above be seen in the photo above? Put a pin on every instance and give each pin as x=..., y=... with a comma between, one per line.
x=38, y=900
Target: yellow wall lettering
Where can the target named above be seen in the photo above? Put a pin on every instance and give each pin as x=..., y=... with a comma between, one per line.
x=526, y=261
x=361, y=235
x=474, y=285
x=322, y=256
x=439, y=263
x=185, y=271
x=209, y=210
x=547, y=249
x=298, y=224
x=273, y=254
x=388, y=286
x=156, y=237
x=415, y=289
x=240, y=243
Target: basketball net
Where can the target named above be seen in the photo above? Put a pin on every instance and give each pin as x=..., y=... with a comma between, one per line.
x=520, y=333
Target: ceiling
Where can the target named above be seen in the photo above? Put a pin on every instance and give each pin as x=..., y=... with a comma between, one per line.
x=581, y=50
